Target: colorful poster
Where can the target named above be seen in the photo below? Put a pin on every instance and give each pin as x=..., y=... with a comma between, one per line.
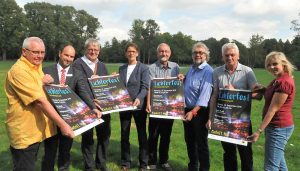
x=167, y=99
x=111, y=94
x=231, y=120
x=71, y=108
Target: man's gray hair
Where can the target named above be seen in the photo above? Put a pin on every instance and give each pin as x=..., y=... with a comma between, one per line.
x=202, y=45
x=230, y=46
x=91, y=41
x=28, y=40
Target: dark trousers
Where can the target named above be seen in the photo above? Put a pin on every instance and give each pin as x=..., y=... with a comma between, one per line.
x=103, y=132
x=163, y=128
x=24, y=159
x=230, y=157
x=64, y=145
x=195, y=135
x=140, y=122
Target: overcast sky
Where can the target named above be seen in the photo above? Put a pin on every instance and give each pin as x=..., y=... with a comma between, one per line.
x=202, y=19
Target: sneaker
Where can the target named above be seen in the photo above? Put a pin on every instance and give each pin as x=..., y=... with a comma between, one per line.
x=166, y=167
x=151, y=167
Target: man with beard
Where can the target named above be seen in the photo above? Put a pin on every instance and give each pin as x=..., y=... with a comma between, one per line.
x=162, y=68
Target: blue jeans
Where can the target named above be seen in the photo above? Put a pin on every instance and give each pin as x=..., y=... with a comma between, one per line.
x=276, y=139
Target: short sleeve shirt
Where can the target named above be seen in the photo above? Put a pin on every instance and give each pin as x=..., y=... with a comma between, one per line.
x=25, y=123
x=283, y=84
x=242, y=78
x=157, y=70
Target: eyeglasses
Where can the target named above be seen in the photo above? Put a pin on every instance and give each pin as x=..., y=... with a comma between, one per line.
x=131, y=51
x=93, y=50
x=199, y=52
x=230, y=54
x=35, y=52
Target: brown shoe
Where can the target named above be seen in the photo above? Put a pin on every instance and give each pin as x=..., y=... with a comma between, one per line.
x=124, y=168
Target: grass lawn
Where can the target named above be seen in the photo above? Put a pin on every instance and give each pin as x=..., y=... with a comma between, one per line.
x=177, y=152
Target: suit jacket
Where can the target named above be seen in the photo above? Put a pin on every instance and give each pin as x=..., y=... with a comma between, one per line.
x=75, y=80
x=138, y=82
x=87, y=71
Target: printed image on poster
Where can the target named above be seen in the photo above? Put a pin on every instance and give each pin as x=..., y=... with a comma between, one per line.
x=71, y=108
x=231, y=120
x=167, y=99
x=111, y=94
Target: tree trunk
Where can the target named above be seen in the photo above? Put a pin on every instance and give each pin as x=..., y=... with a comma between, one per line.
x=4, y=55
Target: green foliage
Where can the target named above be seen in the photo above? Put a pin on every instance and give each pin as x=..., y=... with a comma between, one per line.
x=177, y=152
x=58, y=25
x=12, y=32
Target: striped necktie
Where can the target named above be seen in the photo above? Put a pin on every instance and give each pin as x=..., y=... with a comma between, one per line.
x=63, y=77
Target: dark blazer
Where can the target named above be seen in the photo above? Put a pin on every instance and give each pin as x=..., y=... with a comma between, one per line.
x=75, y=80
x=82, y=66
x=138, y=82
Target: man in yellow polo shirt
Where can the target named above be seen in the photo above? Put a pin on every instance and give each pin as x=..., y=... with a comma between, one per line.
x=30, y=117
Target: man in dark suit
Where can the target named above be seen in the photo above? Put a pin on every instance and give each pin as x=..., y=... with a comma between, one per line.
x=64, y=73
x=91, y=66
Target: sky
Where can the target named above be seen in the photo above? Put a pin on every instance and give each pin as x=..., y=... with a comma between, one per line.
x=201, y=19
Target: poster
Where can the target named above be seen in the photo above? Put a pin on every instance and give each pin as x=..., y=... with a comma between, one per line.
x=72, y=109
x=111, y=94
x=231, y=120
x=167, y=99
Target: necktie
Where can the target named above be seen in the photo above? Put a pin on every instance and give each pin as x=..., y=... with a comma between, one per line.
x=63, y=77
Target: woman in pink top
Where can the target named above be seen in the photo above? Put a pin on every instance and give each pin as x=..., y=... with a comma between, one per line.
x=277, y=113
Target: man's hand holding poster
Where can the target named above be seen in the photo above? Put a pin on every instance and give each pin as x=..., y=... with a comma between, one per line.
x=167, y=99
x=72, y=109
x=231, y=119
x=110, y=94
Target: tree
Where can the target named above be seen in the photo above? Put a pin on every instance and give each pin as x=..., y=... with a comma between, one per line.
x=255, y=51
x=182, y=48
x=143, y=33
x=57, y=24
x=12, y=32
x=296, y=26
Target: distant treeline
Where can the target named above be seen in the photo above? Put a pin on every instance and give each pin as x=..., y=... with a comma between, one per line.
x=57, y=25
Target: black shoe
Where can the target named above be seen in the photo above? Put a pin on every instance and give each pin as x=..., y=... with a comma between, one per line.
x=166, y=167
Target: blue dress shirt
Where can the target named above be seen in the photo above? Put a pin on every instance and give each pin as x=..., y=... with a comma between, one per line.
x=198, y=85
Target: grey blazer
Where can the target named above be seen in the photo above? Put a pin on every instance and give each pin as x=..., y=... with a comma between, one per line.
x=75, y=80
x=138, y=82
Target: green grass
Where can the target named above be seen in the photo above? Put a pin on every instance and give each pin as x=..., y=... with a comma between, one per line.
x=177, y=152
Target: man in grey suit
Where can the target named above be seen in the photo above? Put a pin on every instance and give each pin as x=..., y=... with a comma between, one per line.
x=64, y=73
x=90, y=65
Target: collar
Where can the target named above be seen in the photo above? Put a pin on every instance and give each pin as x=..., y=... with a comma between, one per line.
x=161, y=66
x=59, y=68
x=238, y=68
x=35, y=67
x=201, y=66
x=87, y=61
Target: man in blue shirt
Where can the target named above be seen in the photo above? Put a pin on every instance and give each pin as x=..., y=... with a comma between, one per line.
x=197, y=90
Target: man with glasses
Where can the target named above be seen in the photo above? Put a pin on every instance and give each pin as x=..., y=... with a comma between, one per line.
x=233, y=75
x=197, y=91
x=162, y=68
x=30, y=115
x=90, y=65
